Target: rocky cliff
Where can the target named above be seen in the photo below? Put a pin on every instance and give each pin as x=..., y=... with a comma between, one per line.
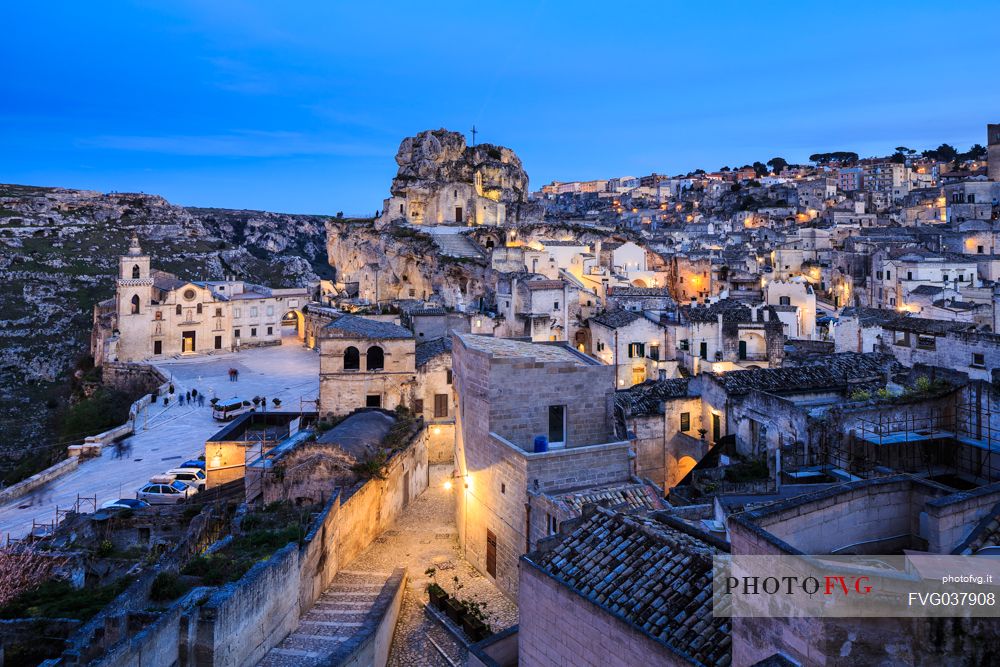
x=58, y=257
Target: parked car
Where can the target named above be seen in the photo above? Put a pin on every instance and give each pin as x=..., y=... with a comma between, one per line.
x=193, y=463
x=194, y=477
x=165, y=490
x=230, y=408
x=125, y=504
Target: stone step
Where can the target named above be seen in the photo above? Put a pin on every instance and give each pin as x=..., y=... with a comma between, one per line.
x=334, y=618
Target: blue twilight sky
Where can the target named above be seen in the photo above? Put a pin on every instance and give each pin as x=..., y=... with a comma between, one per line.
x=299, y=106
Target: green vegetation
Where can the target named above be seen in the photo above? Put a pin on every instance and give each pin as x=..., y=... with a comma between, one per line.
x=58, y=599
x=168, y=586
x=263, y=533
x=747, y=471
x=104, y=409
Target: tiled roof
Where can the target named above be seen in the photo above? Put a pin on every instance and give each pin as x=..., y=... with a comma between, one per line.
x=432, y=348
x=927, y=290
x=563, y=243
x=614, y=319
x=638, y=291
x=518, y=349
x=366, y=328
x=730, y=309
x=831, y=372
x=634, y=496
x=650, y=575
x=645, y=398
x=926, y=325
x=543, y=284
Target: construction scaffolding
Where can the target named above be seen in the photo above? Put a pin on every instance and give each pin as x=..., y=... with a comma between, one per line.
x=957, y=443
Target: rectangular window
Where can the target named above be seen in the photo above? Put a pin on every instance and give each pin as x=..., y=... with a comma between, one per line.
x=218, y=312
x=685, y=421
x=270, y=331
x=237, y=313
x=909, y=275
x=979, y=249
x=654, y=352
x=270, y=310
x=418, y=406
x=253, y=332
x=447, y=376
x=557, y=425
x=236, y=333
x=440, y=406
x=979, y=360
x=253, y=311
x=555, y=306
x=373, y=401
x=157, y=347
x=600, y=347
x=961, y=277
x=636, y=350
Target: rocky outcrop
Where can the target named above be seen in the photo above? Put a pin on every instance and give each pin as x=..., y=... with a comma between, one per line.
x=59, y=250
x=405, y=263
x=435, y=158
x=438, y=171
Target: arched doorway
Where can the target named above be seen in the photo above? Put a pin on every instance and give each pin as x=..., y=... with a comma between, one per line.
x=639, y=282
x=293, y=329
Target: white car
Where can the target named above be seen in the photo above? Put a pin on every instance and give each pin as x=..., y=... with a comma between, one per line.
x=193, y=477
x=164, y=490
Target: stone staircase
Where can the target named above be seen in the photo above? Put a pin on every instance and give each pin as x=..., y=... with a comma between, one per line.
x=457, y=245
x=337, y=615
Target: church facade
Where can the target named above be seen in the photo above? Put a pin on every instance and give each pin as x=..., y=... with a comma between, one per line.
x=155, y=315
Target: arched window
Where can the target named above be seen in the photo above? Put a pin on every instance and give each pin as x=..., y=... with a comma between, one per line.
x=135, y=271
x=178, y=309
x=199, y=309
x=376, y=358
x=135, y=304
x=352, y=359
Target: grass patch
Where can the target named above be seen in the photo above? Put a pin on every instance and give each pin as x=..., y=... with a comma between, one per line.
x=58, y=599
x=263, y=533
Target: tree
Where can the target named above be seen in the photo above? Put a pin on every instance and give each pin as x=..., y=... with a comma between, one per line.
x=943, y=153
x=760, y=169
x=898, y=157
x=777, y=164
x=977, y=152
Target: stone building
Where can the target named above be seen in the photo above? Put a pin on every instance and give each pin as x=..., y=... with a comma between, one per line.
x=442, y=181
x=795, y=304
x=876, y=516
x=726, y=334
x=510, y=392
x=364, y=363
x=434, y=398
x=154, y=314
x=993, y=150
x=539, y=308
x=637, y=590
x=635, y=344
x=665, y=416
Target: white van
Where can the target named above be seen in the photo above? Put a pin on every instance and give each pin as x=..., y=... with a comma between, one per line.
x=228, y=408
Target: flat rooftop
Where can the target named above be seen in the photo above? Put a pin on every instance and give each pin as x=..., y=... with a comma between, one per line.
x=509, y=348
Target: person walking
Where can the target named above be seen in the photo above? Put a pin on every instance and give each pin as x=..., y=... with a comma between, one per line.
x=187, y=396
x=180, y=399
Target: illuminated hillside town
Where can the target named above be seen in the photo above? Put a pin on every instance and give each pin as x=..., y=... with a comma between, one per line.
x=739, y=416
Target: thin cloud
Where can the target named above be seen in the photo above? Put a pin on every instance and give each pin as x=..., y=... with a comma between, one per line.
x=236, y=144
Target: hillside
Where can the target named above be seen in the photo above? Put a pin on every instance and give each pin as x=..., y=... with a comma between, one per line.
x=58, y=257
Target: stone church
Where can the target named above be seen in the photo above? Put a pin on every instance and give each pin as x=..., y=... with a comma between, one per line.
x=442, y=181
x=156, y=315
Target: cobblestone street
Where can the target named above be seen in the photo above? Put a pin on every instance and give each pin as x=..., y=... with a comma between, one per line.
x=425, y=536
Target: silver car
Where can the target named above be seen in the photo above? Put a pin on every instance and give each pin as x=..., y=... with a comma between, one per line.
x=164, y=491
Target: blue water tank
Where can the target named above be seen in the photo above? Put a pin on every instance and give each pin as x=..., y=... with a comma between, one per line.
x=541, y=443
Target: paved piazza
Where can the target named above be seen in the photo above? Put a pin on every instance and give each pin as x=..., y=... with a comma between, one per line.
x=169, y=435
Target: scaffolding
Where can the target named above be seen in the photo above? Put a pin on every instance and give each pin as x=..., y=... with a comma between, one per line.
x=958, y=440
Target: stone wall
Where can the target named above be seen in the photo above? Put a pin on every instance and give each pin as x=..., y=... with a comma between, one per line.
x=245, y=619
x=594, y=637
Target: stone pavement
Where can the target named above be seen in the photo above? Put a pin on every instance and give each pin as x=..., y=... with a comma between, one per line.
x=166, y=436
x=423, y=536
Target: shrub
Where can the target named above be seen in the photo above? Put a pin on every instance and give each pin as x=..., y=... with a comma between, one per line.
x=167, y=586
x=58, y=599
x=105, y=549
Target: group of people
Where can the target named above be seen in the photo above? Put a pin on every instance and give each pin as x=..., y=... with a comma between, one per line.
x=191, y=397
x=234, y=375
